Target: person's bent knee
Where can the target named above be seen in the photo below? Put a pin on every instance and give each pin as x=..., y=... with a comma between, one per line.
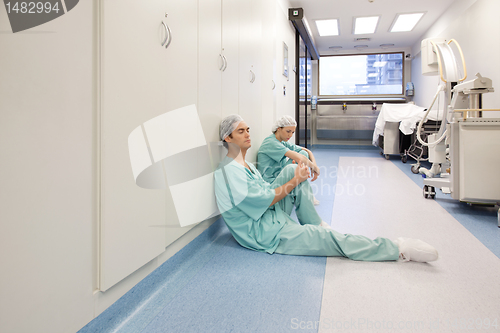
x=305, y=153
x=290, y=168
x=285, y=175
x=289, y=171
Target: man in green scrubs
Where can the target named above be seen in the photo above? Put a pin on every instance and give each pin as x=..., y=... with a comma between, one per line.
x=257, y=213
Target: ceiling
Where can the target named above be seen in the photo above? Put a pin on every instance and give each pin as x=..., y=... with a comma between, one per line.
x=346, y=10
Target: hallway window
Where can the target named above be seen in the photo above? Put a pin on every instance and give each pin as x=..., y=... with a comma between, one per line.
x=363, y=74
x=303, y=81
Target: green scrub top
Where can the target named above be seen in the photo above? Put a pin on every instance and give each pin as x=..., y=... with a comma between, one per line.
x=243, y=198
x=271, y=157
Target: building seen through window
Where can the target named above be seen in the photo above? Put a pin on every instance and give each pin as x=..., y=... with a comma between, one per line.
x=302, y=79
x=368, y=74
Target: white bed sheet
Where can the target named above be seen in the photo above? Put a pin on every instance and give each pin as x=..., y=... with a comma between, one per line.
x=408, y=115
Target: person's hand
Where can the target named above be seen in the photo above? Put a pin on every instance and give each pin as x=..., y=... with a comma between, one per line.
x=314, y=172
x=302, y=172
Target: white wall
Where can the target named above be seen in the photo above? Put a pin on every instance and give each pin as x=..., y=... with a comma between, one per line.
x=48, y=147
x=475, y=25
x=285, y=104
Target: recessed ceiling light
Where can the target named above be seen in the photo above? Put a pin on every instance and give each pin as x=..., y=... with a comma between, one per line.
x=360, y=46
x=365, y=25
x=328, y=27
x=335, y=48
x=384, y=46
x=406, y=22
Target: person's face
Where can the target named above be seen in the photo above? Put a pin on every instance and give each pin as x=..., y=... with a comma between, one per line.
x=240, y=136
x=285, y=133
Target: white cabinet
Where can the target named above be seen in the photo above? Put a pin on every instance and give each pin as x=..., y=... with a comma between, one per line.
x=250, y=78
x=246, y=63
x=269, y=63
x=139, y=80
x=181, y=57
x=181, y=74
x=221, y=58
x=230, y=27
x=210, y=68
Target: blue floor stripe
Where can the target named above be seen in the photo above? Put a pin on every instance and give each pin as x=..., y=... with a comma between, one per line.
x=246, y=291
x=134, y=310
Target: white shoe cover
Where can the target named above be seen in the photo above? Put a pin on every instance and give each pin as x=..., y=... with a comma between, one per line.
x=415, y=250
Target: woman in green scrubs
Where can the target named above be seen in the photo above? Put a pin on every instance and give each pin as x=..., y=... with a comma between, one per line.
x=276, y=151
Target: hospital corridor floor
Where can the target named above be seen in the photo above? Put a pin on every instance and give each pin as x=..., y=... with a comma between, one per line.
x=215, y=285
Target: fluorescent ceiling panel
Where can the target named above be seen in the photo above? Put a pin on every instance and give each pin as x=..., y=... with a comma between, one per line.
x=406, y=22
x=328, y=27
x=365, y=25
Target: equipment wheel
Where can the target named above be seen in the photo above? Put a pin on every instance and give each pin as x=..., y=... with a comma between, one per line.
x=387, y=156
x=429, y=192
x=414, y=168
x=404, y=158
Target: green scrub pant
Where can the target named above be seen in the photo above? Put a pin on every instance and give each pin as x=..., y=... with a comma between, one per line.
x=301, y=197
x=312, y=240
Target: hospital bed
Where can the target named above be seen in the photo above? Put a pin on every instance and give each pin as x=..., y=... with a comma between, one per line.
x=396, y=118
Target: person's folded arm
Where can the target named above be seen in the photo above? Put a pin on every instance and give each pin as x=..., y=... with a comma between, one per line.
x=298, y=158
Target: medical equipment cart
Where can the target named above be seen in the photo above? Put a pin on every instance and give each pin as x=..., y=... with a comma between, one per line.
x=416, y=150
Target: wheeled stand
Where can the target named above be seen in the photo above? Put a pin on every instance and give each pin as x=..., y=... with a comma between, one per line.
x=473, y=176
x=417, y=151
x=393, y=142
